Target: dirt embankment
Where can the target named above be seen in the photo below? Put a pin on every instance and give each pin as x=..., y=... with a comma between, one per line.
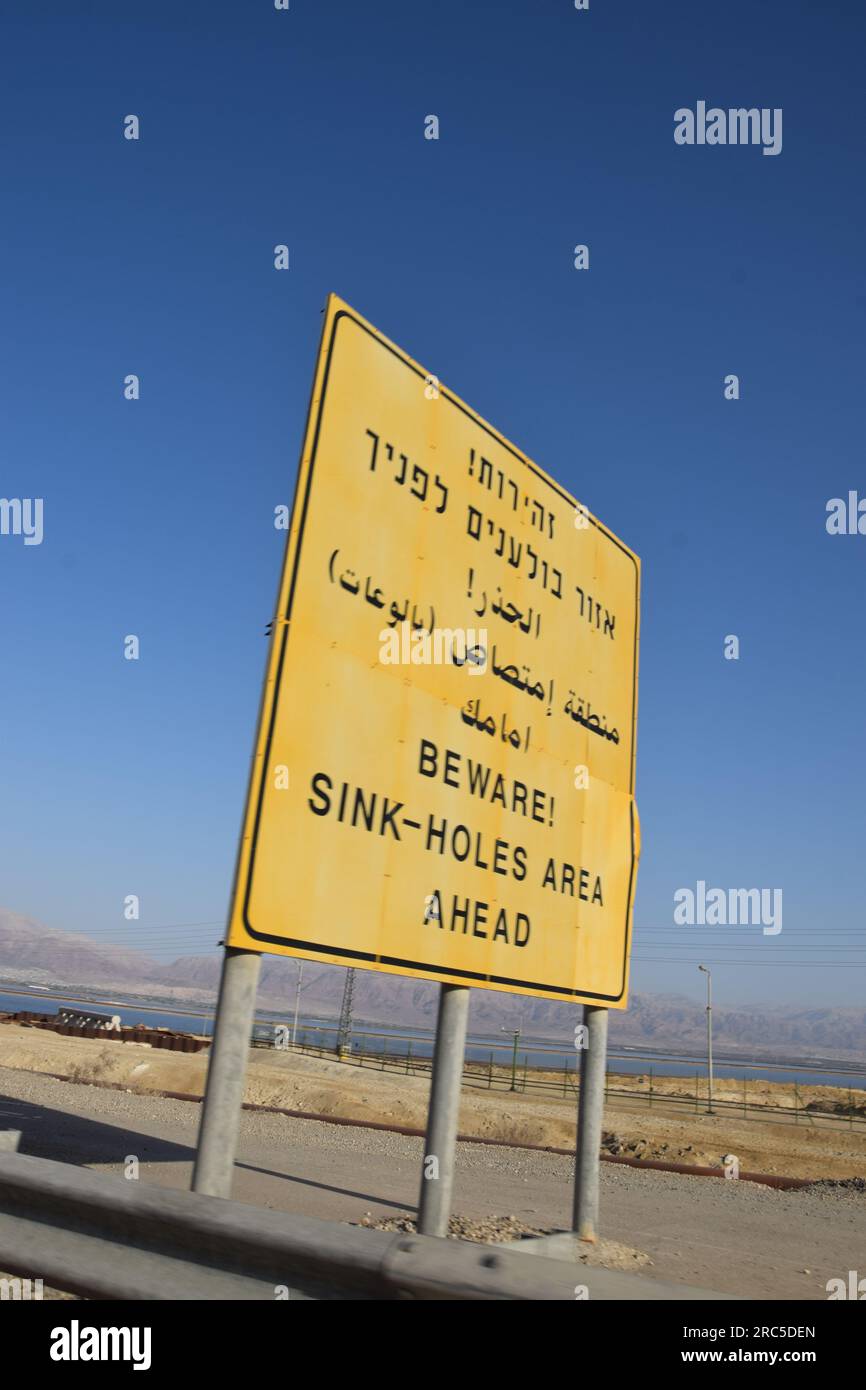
x=784, y=1095
x=317, y=1086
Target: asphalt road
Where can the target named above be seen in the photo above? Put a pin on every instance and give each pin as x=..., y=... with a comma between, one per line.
x=735, y=1237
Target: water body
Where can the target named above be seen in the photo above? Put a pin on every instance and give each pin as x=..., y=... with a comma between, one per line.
x=395, y=1041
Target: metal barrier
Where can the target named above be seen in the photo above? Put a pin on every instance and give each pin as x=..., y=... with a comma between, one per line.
x=70, y=1024
x=105, y=1237
x=88, y=1018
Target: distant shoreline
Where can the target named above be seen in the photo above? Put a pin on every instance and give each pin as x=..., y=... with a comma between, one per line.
x=534, y=1053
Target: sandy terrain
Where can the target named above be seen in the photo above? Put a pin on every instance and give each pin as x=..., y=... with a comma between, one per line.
x=318, y=1086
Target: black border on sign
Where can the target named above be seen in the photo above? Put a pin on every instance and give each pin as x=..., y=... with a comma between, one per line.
x=397, y=962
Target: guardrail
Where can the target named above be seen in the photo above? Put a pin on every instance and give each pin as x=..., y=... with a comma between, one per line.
x=104, y=1237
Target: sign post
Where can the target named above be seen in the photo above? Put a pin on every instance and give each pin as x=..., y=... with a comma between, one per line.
x=437, y=1176
x=227, y=1066
x=443, y=779
x=590, y=1112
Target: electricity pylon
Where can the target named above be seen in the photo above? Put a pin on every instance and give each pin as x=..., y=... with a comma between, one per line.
x=344, y=1028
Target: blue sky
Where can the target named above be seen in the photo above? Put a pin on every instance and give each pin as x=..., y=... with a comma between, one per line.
x=306, y=127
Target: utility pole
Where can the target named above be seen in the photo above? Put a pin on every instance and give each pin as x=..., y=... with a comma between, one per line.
x=297, y=1001
x=710, y=1110
x=344, y=1028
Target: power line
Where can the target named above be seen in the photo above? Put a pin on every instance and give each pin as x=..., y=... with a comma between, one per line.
x=709, y=960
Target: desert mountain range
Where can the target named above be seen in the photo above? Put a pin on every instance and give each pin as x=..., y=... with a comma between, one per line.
x=31, y=953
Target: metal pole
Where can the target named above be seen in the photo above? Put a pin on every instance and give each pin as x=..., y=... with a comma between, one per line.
x=590, y=1112
x=708, y=974
x=516, y=1039
x=297, y=1001
x=437, y=1177
x=224, y=1093
x=710, y=1037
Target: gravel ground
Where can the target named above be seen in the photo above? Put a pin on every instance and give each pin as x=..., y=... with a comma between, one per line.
x=490, y=1230
x=496, y=1230
x=736, y=1237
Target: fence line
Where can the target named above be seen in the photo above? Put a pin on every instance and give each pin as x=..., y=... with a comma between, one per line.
x=481, y=1075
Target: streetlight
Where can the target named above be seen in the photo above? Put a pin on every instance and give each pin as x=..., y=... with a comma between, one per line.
x=297, y=1001
x=516, y=1035
x=710, y=1110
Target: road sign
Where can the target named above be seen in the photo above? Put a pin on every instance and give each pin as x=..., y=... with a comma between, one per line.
x=443, y=780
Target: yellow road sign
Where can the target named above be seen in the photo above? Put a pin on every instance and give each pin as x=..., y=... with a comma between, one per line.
x=443, y=781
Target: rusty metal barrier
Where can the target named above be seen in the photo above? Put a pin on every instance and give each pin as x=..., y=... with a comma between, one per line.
x=166, y=1038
